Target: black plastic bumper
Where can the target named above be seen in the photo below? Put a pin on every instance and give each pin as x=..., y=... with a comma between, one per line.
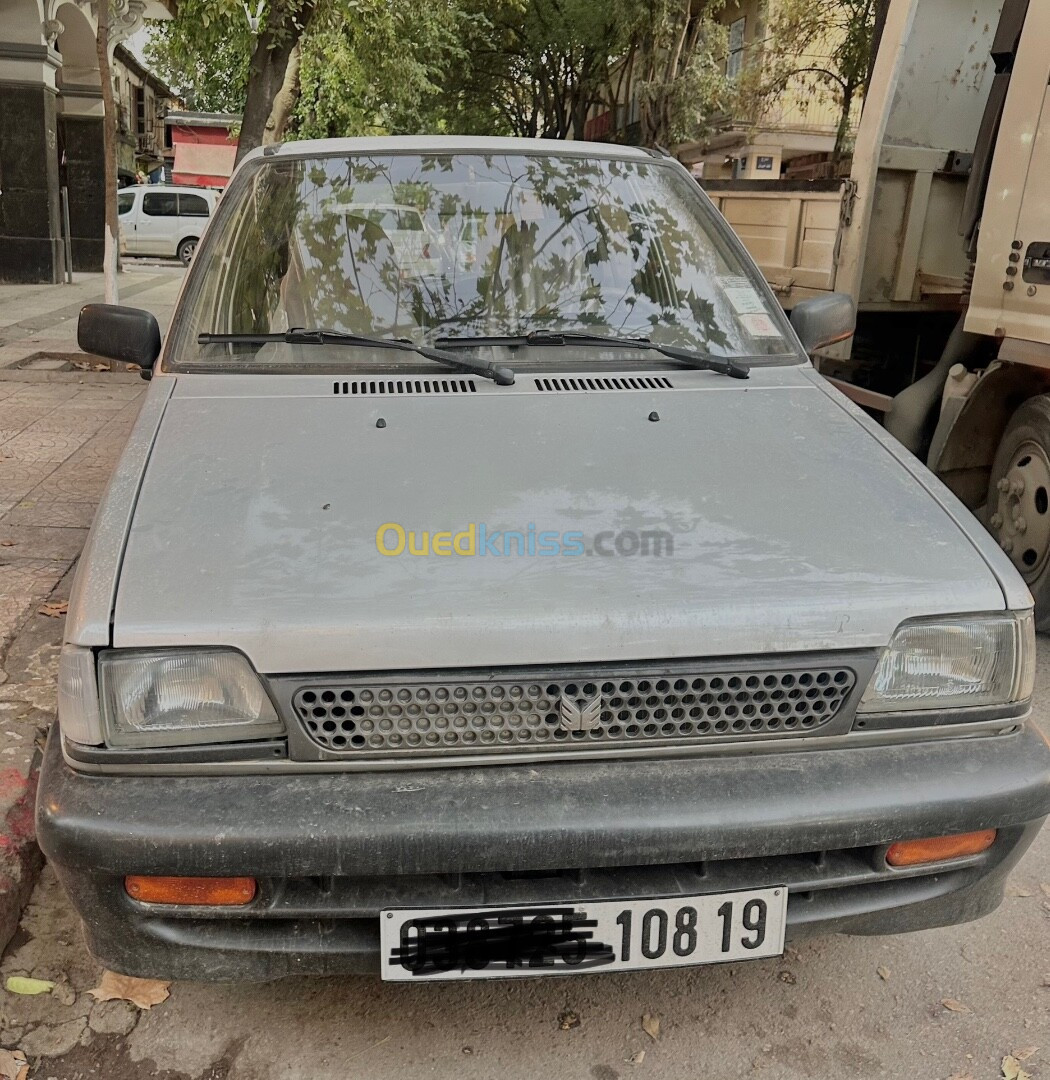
x=331, y=850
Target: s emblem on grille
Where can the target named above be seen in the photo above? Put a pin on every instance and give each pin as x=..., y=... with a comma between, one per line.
x=579, y=717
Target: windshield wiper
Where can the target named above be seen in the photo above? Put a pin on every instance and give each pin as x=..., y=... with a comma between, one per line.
x=496, y=372
x=687, y=357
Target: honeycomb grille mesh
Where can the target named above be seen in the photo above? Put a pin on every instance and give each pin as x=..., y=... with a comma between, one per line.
x=370, y=717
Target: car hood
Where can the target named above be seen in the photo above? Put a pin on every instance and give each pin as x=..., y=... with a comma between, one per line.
x=792, y=526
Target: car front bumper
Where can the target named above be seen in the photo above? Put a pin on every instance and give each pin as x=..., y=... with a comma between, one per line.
x=331, y=850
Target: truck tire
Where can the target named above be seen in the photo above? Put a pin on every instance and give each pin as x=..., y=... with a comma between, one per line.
x=1018, y=508
x=186, y=250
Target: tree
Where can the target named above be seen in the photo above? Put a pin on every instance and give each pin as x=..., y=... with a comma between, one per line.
x=111, y=248
x=317, y=67
x=209, y=51
x=674, y=60
x=203, y=54
x=380, y=71
x=534, y=67
x=812, y=49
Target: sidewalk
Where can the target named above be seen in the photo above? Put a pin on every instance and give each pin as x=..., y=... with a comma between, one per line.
x=41, y=320
x=61, y=433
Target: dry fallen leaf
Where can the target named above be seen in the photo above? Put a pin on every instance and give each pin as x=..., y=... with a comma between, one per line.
x=955, y=1006
x=19, y=984
x=1017, y=890
x=145, y=993
x=1026, y=1053
x=54, y=608
x=1012, y=1069
x=651, y=1025
x=636, y=1058
x=787, y=977
x=884, y=972
x=7, y=543
x=13, y=1065
x=568, y=1020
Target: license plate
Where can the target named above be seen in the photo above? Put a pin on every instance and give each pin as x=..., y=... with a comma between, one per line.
x=566, y=939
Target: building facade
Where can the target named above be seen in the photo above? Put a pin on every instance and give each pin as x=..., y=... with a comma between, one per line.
x=144, y=147
x=51, y=131
x=798, y=126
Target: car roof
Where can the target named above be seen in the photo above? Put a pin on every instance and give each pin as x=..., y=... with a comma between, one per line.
x=169, y=187
x=450, y=144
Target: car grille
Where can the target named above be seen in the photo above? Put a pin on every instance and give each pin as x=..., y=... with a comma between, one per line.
x=602, y=708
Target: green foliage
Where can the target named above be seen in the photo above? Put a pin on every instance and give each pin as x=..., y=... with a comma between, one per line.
x=204, y=53
x=524, y=67
x=811, y=50
x=377, y=66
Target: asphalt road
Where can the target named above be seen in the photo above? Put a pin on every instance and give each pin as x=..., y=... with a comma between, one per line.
x=830, y=1008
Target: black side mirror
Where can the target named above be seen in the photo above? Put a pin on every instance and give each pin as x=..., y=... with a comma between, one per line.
x=823, y=320
x=128, y=334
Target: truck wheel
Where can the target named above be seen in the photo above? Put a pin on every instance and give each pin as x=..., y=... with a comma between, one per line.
x=1019, y=499
x=186, y=250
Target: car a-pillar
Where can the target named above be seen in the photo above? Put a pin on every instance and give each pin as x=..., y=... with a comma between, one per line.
x=995, y=456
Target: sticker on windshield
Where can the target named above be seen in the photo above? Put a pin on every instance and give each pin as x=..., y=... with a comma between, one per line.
x=759, y=325
x=743, y=296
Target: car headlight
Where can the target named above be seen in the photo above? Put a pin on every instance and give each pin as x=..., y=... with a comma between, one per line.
x=175, y=697
x=953, y=663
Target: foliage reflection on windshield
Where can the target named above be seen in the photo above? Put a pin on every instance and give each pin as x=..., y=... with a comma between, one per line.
x=422, y=246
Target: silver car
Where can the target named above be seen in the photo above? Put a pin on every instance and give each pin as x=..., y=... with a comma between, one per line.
x=531, y=608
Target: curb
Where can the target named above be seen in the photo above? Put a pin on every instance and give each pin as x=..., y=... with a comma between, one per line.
x=20, y=859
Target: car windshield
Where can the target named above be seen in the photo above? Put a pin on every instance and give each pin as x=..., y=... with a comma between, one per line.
x=439, y=248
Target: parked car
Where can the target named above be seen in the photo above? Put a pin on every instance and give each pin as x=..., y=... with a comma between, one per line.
x=163, y=220
x=541, y=615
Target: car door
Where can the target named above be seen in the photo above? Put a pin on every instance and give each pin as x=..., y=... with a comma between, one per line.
x=127, y=215
x=158, y=223
x=194, y=212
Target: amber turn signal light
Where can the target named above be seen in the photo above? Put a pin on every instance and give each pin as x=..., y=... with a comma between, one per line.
x=210, y=891
x=939, y=848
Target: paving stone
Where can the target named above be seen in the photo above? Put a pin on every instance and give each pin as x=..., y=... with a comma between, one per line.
x=20, y=541
x=18, y=478
x=28, y=576
x=77, y=482
x=54, y=512
x=18, y=417
x=104, y=401
x=71, y=420
x=45, y=445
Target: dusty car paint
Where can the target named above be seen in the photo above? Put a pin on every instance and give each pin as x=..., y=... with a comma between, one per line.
x=262, y=498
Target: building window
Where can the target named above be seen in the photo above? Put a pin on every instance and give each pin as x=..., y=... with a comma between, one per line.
x=139, y=97
x=160, y=204
x=735, y=59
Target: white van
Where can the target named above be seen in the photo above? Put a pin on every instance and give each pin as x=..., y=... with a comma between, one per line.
x=161, y=219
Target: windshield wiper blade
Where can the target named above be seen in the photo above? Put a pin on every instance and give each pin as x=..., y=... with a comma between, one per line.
x=688, y=357
x=498, y=373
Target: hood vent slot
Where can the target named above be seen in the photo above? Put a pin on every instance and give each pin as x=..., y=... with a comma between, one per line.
x=395, y=387
x=633, y=382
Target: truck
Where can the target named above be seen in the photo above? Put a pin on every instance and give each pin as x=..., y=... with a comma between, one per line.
x=941, y=235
